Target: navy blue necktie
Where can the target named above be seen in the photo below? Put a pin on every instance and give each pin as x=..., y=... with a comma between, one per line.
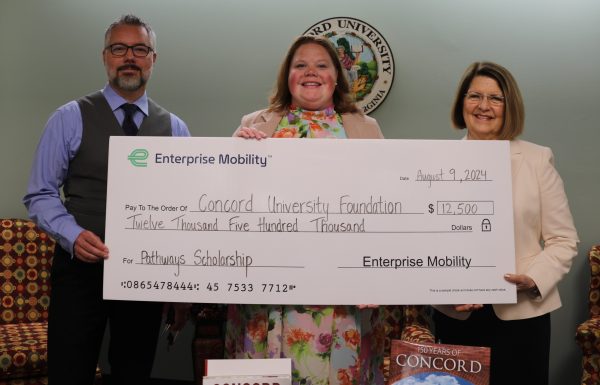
x=129, y=126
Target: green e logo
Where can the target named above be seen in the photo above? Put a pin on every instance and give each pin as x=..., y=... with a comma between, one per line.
x=138, y=157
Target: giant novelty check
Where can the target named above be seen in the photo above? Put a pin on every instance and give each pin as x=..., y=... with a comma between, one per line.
x=285, y=221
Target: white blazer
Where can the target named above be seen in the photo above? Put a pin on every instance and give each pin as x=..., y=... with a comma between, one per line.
x=545, y=236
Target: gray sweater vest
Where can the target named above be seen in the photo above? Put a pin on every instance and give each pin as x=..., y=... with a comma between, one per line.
x=85, y=185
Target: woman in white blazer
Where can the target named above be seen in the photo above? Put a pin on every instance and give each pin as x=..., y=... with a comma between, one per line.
x=489, y=105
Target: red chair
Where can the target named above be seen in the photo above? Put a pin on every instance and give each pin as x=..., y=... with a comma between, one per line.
x=26, y=253
x=588, y=333
x=25, y=258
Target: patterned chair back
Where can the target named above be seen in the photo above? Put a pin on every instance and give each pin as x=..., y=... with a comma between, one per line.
x=594, y=296
x=587, y=334
x=26, y=254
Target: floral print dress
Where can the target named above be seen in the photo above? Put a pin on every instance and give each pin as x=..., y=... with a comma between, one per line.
x=328, y=345
x=299, y=123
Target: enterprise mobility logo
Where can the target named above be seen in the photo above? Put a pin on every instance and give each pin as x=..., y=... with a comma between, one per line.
x=139, y=157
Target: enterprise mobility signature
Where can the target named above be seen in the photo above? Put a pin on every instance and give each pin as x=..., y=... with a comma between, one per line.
x=240, y=259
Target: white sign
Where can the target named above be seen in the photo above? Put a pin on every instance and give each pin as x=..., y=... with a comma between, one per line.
x=287, y=221
x=244, y=367
x=272, y=371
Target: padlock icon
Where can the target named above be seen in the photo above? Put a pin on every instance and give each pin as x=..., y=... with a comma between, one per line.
x=486, y=225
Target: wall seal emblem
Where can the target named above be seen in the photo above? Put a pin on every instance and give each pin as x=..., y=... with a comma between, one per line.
x=365, y=55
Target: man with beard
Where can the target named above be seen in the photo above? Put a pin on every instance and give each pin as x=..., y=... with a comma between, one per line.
x=73, y=154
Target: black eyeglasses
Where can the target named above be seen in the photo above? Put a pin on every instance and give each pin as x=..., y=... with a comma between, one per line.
x=119, y=49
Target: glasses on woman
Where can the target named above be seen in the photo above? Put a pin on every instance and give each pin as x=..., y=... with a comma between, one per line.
x=120, y=49
x=476, y=98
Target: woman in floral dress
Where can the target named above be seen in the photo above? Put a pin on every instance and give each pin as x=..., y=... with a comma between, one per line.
x=327, y=344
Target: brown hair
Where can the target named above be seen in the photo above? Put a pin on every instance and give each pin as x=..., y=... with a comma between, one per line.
x=514, y=110
x=281, y=98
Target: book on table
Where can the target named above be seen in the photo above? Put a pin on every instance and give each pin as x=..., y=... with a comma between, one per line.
x=427, y=364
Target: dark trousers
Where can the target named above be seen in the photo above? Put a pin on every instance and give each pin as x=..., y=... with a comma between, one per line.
x=520, y=349
x=77, y=320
